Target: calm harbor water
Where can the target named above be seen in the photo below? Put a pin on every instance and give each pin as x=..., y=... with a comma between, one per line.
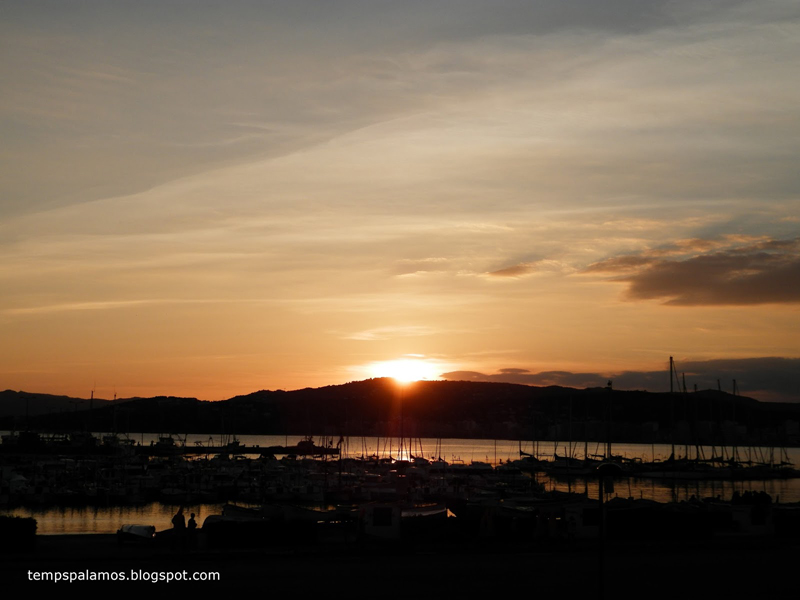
x=107, y=519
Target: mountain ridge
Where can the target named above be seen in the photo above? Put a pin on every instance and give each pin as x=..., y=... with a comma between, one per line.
x=382, y=407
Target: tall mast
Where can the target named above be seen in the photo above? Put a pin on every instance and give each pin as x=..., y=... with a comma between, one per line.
x=735, y=432
x=671, y=370
x=608, y=424
x=671, y=406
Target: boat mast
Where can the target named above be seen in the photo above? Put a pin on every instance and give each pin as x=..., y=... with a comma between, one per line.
x=685, y=417
x=735, y=452
x=569, y=446
x=672, y=406
x=608, y=423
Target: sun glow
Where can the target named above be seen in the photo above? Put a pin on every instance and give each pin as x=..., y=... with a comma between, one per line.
x=405, y=370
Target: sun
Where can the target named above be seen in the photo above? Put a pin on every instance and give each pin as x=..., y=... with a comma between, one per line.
x=405, y=370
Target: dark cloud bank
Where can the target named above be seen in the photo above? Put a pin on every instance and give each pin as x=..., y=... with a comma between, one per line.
x=763, y=272
x=767, y=379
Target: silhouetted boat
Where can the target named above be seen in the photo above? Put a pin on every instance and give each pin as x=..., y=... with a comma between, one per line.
x=398, y=520
x=305, y=447
x=136, y=533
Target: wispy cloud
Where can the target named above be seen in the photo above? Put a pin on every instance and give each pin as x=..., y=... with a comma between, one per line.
x=390, y=332
x=117, y=304
x=422, y=265
x=514, y=271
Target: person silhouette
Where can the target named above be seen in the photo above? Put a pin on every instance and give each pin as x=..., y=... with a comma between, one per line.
x=179, y=521
x=179, y=530
x=192, y=530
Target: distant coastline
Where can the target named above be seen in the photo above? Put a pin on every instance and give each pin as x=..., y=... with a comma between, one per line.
x=454, y=409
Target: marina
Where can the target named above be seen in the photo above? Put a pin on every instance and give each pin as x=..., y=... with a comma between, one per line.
x=498, y=507
x=96, y=493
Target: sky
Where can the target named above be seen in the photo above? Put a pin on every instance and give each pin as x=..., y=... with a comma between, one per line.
x=211, y=198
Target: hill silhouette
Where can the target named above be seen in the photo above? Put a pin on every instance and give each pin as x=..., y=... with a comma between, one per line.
x=381, y=407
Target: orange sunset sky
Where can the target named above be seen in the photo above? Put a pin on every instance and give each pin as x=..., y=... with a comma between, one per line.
x=207, y=199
